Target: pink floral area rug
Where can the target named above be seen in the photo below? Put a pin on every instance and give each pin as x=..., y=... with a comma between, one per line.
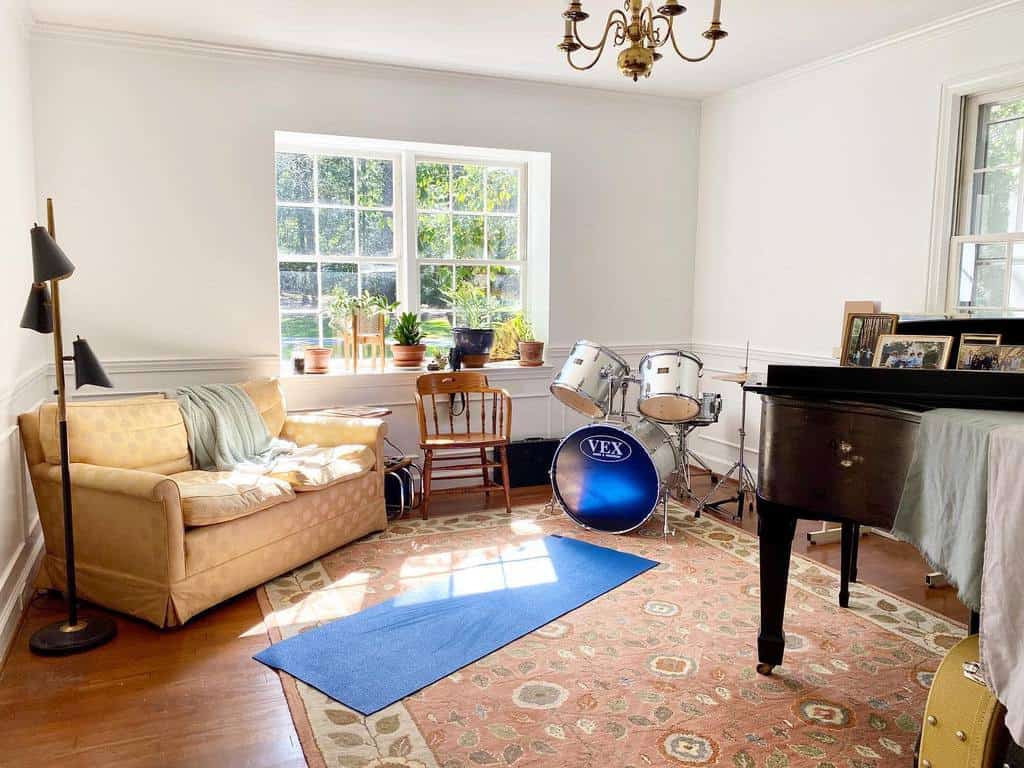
x=658, y=672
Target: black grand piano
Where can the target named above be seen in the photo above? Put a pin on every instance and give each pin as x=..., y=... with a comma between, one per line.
x=836, y=444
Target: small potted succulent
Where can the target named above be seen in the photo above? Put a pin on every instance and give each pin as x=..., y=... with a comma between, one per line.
x=408, y=349
x=438, y=358
x=475, y=338
x=531, y=351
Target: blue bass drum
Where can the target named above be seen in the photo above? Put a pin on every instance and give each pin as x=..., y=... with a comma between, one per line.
x=609, y=476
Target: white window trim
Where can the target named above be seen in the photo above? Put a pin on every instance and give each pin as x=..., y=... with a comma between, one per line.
x=532, y=245
x=948, y=176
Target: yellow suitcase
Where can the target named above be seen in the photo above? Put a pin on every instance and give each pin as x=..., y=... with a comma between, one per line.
x=963, y=725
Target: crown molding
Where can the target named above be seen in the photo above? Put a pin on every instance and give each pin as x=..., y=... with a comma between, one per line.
x=924, y=31
x=185, y=46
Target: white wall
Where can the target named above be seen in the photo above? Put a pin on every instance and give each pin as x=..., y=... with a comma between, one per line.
x=816, y=187
x=22, y=352
x=165, y=186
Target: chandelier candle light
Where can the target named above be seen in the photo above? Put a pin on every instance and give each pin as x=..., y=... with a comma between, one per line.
x=645, y=30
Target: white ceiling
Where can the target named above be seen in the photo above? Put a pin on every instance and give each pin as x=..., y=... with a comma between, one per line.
x=516, y=39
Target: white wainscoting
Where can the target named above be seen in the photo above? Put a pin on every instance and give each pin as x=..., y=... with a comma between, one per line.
x=20, y=533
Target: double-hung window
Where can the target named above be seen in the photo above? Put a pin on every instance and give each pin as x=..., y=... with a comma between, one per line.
x=987, y=250
x=403, y=225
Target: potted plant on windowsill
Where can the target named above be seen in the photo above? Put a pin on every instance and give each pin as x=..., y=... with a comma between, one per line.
x=475, y=339
x=531, y=351
x=408, y=349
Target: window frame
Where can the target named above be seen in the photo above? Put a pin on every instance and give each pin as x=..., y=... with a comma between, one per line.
x=522, y=214
x=963, y=207
x=318, y=259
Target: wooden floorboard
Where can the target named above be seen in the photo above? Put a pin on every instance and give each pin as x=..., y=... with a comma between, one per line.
x=192, y=696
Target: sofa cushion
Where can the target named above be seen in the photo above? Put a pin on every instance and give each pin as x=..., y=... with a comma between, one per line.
x=208, y=498
x=145, y=433
x=313, y=467
x=269, y=401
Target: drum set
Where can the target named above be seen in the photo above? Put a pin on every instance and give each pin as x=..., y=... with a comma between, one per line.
x=612, y=474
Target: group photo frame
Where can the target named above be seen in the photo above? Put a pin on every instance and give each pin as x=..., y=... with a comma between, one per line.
x=1000, y=358
x=928, y=353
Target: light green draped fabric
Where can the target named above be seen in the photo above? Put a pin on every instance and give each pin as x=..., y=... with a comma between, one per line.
x=945, y=497
x=224, y=428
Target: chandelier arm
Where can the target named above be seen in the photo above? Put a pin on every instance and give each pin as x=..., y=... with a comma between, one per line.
x=584, y=68
x=683, y=56
x=662, y=39
x=610, y=24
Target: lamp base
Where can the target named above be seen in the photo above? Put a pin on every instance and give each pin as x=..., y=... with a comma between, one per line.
x=60, y=639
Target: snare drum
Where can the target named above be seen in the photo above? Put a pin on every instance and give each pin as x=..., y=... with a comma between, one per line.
x=609, y=476
x=670, y=386
x=584, y=382
x=710, y=408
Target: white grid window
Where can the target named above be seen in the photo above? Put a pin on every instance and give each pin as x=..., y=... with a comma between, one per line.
x=469, y=228
x=335, y=231
x=987, y=250
x=404, y=226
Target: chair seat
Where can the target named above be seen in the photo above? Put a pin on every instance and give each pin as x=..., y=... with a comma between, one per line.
x=464, y=440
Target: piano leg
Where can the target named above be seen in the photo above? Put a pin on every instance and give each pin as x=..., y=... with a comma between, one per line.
x=847, y=562
x=775, y=529
x=856, y=551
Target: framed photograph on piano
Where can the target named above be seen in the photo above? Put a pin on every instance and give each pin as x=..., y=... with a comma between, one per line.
x=860, y=337
x=926, y=353
x=1003, y=358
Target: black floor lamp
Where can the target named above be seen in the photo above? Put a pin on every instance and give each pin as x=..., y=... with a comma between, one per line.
x=42, y=314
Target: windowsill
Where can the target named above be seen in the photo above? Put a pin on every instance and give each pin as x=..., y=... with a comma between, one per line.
x=501, y=371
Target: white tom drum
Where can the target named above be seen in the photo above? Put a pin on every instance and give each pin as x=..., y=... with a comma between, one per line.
x=670, y=386
x=584, y=383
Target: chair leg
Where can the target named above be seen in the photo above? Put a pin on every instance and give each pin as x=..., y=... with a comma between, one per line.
x=504, y=477
x=428, y=468
x=483, y=471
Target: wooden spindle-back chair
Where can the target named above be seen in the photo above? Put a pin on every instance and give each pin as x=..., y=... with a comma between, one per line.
x=458, y=412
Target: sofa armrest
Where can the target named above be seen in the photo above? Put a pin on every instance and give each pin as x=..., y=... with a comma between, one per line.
x=322, y=429
x=126, y=520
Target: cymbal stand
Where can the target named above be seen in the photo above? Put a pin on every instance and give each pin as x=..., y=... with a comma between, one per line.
x=684, y=477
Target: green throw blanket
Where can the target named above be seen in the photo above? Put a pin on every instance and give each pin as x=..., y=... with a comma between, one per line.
x=224, y=428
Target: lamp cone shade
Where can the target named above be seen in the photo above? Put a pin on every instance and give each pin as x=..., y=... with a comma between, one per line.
x=48, y=261
x=87, y=367
x=38, y=314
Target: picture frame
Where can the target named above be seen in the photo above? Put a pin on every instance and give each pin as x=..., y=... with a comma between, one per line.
x=991, y=358
x=980, y=338
x=860, y=336
x=912, y=352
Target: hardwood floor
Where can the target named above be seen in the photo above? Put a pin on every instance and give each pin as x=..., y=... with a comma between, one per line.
x=193, y=697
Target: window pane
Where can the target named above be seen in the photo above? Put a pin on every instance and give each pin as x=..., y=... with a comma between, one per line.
x=432, y=236
x=297, y=285
x=468, y=187
x=434, y=279
x=297, y=333
x=335, y=183
x=995, y=202
x=968, y=257
x=475, y=275
x=295, y=230
x=505, y=287
x=432, y=186
x=376, y=183
x=331, y=337
x=337, y=232
x=1017, y=276
x=380, y=280
x=1003, y=111
x=341, y=277
x=437, y=329
x=294, y=177
x=502, y=190
x=502, y=237
x=468, y=237
x=989, y=276
x=1002, y=144
x=376, y=234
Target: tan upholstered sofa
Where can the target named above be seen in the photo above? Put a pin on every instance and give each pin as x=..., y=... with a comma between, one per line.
x=158, y=540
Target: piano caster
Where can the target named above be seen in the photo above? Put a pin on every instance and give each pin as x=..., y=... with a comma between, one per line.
x=765, y=669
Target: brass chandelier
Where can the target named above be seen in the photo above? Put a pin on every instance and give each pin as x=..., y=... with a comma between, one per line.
x=645, y=30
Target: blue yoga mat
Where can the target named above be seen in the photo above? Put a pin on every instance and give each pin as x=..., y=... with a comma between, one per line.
x=376, y=657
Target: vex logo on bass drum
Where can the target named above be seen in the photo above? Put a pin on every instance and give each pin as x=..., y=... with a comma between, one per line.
x=605, y=448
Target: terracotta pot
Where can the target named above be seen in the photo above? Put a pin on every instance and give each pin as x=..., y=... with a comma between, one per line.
x=318, y=359
x=531, y=353
x=408, y=355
